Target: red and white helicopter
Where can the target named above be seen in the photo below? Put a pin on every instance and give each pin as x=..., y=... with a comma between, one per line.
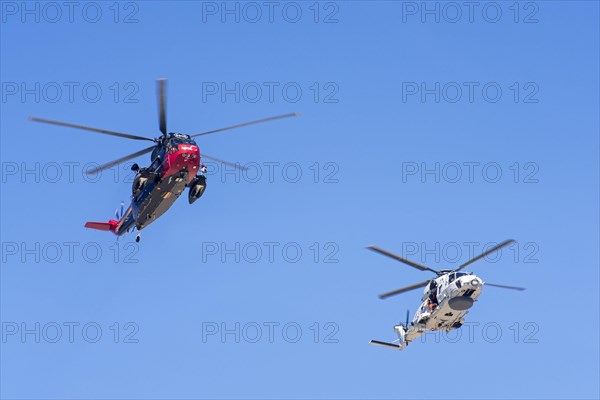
x=445, y=302
x=175, y=165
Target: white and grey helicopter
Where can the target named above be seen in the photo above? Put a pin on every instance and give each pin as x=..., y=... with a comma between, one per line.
x=446, y=299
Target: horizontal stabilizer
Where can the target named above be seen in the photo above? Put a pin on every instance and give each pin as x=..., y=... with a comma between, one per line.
x=103, y=226
x=386, y=344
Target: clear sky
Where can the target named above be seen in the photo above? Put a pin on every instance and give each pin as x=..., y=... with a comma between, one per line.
x=429, y=129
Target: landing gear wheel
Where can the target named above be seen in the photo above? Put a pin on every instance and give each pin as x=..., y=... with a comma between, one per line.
x=138, y=237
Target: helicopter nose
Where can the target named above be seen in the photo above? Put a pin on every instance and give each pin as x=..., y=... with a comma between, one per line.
x=475, y=282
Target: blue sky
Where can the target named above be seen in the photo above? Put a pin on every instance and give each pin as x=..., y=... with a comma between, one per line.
x=283, y=252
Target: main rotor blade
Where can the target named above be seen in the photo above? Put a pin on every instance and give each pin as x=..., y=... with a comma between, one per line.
x=504, y=286
x=259, y=121
x=88, y=128
x=236, y=165
x=404, y=289
x=403, y=260
x=162, y=106
x=120, y=160
x=490, y=251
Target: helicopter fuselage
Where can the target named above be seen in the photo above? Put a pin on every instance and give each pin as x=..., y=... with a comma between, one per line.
x=175, y=163
x=446, y=301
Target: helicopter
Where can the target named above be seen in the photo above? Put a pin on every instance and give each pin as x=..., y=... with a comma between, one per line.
x=445, y=302
x=175, y=164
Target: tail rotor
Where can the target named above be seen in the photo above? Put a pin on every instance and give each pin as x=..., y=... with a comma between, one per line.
x=120, y=211
x=406, y=322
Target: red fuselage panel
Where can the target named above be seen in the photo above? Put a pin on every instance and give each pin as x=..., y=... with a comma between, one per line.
x=184, y=156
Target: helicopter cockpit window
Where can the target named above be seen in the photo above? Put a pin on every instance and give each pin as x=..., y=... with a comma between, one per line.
x=181, y=136
x=431, y=286
x=451, y=278
x=456, y=276
x=181, y=139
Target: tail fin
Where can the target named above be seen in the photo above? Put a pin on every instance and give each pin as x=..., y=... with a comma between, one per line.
x=111, y=225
